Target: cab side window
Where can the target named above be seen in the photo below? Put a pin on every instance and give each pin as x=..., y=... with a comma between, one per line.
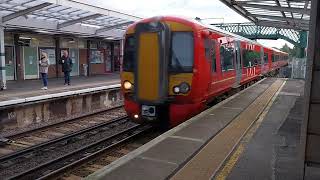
x=210, y=53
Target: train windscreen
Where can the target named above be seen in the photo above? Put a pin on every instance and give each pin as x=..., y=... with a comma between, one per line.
x=182, y=52
x=129, y=54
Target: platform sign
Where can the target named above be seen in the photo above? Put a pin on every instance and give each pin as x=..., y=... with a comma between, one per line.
x=31, y=63
x=74, y=55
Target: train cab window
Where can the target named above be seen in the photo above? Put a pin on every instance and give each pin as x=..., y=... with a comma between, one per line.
x=227, y=56
x=182, y=52
x=251, y=58
x=210, y=53
x=129, y=54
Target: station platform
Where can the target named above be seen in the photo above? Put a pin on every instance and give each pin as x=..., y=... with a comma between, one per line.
x=255, y=134
x=31, y=88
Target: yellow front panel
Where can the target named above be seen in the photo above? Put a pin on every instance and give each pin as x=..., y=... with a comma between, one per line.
x=127, y=76
x=148, y=67
x=177, y=79
x=175, y=26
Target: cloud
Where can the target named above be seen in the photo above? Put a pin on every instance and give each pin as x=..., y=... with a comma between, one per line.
x=190, y=8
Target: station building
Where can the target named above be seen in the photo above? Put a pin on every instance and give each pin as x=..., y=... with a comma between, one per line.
x=91, y=56
x=92, y=35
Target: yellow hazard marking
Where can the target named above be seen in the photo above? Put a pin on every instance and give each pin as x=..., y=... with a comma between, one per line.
x=229, y=165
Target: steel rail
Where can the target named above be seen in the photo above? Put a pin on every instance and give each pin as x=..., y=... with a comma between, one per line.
x=62, y=138
x=33, y=173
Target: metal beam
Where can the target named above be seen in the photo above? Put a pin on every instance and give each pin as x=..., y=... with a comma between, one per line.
x=75, y=21
x=91, y=8
x=24, y=12
x=112, y=27
x=239, y=10
x=274, y=8
x=283, y=25
x=278, y=18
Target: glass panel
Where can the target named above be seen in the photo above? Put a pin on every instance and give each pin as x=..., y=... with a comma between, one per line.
x=30, y=62
x=96, y=56
x=182, y=52
x=129, y=54
x=227, y=56
x=51, y=54
x=265, y=58
x=210, y=53
x=251, y=58
x=74, y=55
x=116, y=57
x=9, y=58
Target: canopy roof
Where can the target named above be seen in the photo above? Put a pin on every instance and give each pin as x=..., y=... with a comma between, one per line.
x=290, y=14
x=64, y=17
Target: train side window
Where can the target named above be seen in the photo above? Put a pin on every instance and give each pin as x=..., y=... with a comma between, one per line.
x=251, y=58
x=227, y=56
x=214, y=57
x=273, y=58
x=210, y=53
x=265, y=58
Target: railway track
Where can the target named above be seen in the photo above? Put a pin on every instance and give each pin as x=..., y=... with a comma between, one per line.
x=39, y=160
x=22, y=140
x=107, y=156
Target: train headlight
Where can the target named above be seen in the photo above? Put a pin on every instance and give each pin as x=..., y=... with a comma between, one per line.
x=127, y=85
x=176, y=90
x=184, y=87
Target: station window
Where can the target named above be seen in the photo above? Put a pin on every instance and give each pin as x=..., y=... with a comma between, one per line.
x=129, y=54
x=251, y=58
x=210, y=53
x=227, y=56
x=181, y=52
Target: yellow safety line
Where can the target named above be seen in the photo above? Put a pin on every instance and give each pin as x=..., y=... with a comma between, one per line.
x=229, y=165
x=212, y=157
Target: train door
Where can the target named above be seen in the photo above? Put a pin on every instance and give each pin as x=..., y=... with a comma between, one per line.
x=238, y=64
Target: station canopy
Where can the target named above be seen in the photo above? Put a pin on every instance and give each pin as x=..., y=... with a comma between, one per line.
x=64, y=17
x=290, y=14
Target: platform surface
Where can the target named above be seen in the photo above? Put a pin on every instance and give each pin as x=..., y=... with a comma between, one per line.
x=30, y=88
x=251, y=135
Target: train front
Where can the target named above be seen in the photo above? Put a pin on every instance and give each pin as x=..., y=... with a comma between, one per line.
x=157, y=71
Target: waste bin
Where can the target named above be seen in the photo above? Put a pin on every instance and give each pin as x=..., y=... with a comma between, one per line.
x=85, y=69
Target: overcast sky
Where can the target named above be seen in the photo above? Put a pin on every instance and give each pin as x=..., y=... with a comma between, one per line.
x=190, y=8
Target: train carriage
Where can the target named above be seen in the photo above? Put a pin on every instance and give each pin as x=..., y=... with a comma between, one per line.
x=173, y=67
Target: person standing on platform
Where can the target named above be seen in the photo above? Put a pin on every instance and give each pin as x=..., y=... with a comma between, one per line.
x=44, y=66
x=66, y=62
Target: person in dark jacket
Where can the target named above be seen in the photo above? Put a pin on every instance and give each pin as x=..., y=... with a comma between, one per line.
x=66, y=62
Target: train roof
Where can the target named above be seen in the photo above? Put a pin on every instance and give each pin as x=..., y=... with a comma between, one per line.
x=212, y=28
x=238, y=37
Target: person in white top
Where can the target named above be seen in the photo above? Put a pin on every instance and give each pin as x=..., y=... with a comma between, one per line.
x=44, y=66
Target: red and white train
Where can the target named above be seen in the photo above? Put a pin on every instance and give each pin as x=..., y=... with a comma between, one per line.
x=173, y=67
